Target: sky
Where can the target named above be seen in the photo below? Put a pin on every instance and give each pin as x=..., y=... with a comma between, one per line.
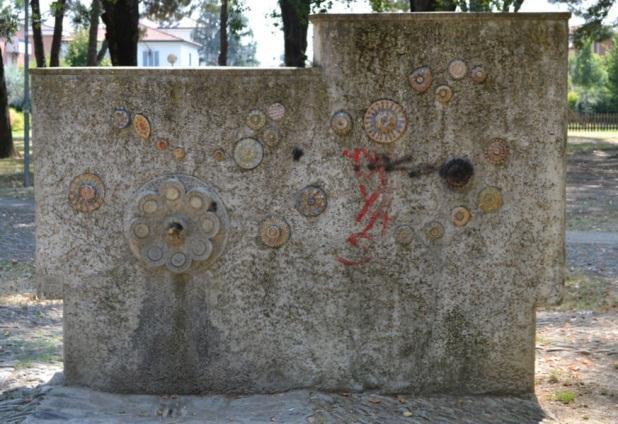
x=269, y=37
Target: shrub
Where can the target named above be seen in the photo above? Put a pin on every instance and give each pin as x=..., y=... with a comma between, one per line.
x=14, y=78
x=17, y=120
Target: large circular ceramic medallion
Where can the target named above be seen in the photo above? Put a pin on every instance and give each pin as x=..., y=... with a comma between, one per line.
x=86, y=192
x=385, y=121
x=176, y=222
x=248, y=153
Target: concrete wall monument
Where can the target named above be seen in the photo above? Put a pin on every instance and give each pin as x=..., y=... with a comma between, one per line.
x=388, y=219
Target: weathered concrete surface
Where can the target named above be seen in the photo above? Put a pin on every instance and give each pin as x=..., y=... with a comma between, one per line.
x=455, y=315
x=63, y=405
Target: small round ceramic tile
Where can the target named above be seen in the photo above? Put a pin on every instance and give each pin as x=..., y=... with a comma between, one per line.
x=200, y=249
x=457, y=69
x=141, y=125
x=210, y=224
x=478, y=74
x=341, y=123
x=276, y=111
x=140, y=229
x=179, y=153
x=197, y=200
x=270, y=136
x=460, y=216
x=86, y=193
x=162, y=144
x=490, y=199
x=121, y=118
x=149, y=204
x=311, y=201
x=444, y=94
x=497, y=151
x=248, y=153
x=218, y=155
x=172, y=190
x=434, y=231
x=404, y=234
x=421, y=79
x=256, y=119
x=178, y=262
x=154, y=255
x=385, y=121
x=274, y=232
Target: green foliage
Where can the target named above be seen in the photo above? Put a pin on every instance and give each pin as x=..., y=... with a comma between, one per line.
x=389, y=5
x=14, y=79
x=589, y=80
x=572, y=99
x=8, y=19
x=594, y=14
x=77, y=51
x=612, y=75
x=17, y=120
x=241, y=48
x=442, y=5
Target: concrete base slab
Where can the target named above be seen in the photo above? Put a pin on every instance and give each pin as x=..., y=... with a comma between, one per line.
x=78, y=405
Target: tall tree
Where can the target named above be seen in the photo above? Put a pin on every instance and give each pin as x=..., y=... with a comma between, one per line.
x=37, y=34
x=612, y=76
x=58, y=9
x=93, y=32
x=121, y=18
x=223, y=33
x=8, y=26
x=594, y=14
x=295, y=17
x=241, y=48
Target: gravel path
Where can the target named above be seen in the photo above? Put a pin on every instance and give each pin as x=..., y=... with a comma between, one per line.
x=16, y=229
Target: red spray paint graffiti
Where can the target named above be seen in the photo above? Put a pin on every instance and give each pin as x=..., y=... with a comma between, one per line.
x=373, y=217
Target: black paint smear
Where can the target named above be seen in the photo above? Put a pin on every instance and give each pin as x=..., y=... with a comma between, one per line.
x=457, y=172
x=297, y=153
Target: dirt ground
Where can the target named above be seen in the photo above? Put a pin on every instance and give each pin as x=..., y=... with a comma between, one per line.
x=577, y=342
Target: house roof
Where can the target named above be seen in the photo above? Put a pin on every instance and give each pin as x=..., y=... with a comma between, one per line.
x=149, y=33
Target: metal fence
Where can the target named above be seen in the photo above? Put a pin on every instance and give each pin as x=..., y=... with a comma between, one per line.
x=593, y=121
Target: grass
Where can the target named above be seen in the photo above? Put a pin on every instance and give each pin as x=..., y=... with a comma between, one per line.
x=12, y=173
x=584, y=293
x=565, y=396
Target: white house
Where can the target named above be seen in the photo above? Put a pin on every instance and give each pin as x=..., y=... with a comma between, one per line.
x=159, y=48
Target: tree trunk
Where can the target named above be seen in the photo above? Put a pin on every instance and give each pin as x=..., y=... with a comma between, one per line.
x=121, y=18
x=102, y=51
x=95, y=12
x=37, y=36
x=432, y=5
x=223, y=42
x=6, y=137
x=295, y=16
x=54, y=55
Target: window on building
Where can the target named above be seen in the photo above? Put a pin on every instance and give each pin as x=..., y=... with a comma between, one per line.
x=150, y=58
